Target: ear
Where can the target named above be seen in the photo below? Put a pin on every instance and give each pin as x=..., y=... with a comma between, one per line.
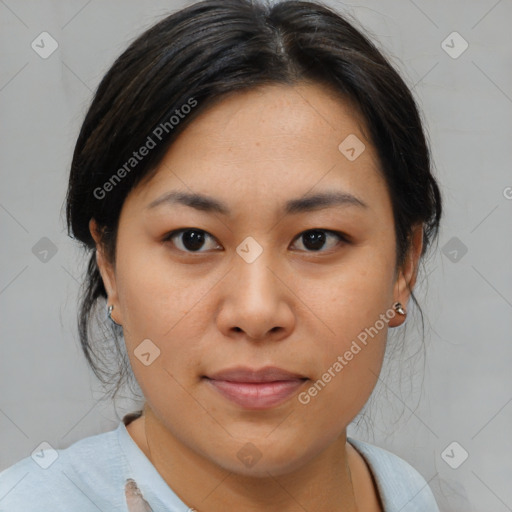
x=106, y=270
x=408, y=273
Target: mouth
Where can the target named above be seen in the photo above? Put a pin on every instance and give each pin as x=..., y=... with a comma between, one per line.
x=256, y=389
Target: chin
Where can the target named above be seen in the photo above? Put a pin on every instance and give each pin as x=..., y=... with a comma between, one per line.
x=262, y=460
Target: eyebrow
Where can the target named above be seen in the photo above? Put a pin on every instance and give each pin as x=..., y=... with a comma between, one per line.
x=307, y=203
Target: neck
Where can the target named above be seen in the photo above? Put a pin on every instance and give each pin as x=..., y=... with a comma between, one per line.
x=325, y=483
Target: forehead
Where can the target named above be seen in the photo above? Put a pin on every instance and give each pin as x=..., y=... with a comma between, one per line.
x=276, y=141
x=275, y=120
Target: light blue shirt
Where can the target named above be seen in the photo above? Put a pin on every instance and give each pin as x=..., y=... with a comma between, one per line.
x=91, y=475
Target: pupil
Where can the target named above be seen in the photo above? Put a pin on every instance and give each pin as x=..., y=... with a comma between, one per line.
x=314, y=239
x=193, y=240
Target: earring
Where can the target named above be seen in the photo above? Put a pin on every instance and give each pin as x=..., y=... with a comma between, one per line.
x=109, y=314
x=399, y=308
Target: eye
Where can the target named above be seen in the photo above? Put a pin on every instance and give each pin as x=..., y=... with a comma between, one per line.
x=192, y=240
x=315, y=239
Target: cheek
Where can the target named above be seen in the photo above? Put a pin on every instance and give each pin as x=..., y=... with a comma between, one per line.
x=355, y=309
x=354, y=293
x=169, y=306
x=155, y=293
x=158, y=304
x=349, y=363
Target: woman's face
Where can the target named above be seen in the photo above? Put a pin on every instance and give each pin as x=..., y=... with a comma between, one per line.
x=260, y=279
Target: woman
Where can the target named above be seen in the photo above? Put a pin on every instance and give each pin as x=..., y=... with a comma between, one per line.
x=255, y=189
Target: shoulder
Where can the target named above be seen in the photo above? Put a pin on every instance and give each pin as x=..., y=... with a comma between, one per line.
x=401, y=487
x=75, y=478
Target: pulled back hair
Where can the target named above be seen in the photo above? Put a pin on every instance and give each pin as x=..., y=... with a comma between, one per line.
x=203, y=53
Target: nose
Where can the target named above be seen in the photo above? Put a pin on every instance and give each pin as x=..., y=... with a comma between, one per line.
x=256, y=301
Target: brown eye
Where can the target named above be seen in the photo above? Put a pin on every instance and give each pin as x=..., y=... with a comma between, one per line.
x=188, y=239
x=315, y=239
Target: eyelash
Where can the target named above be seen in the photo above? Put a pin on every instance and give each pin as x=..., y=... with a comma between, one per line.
x=342, y=238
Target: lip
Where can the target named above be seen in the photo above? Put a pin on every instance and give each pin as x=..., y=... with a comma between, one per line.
x=256, y=389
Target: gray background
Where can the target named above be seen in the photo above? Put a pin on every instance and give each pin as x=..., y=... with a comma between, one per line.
x=464, y=392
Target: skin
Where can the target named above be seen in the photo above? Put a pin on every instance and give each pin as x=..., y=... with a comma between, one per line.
x=294, y=307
